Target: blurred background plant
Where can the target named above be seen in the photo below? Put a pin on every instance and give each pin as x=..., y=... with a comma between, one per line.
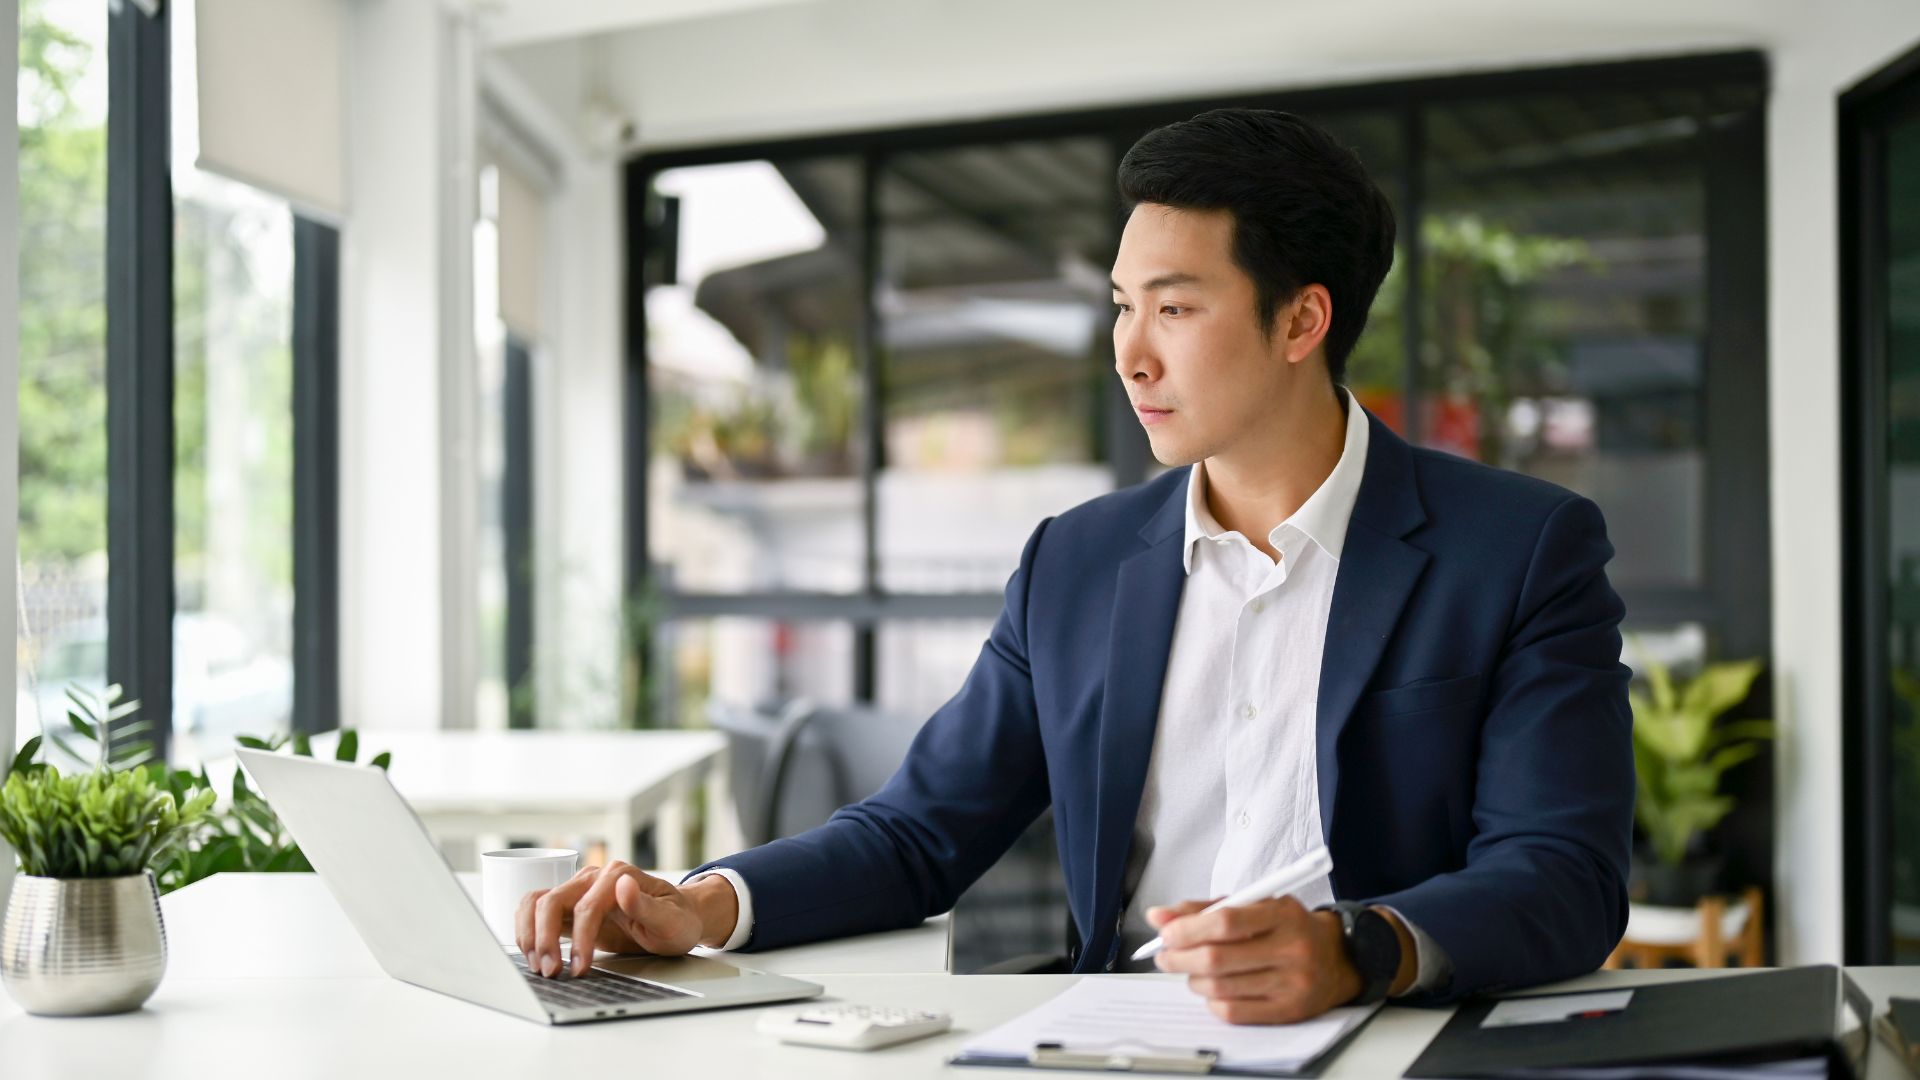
x=1680, y=751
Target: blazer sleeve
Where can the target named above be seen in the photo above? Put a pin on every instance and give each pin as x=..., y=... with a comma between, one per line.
x=1543, y=893
x=972, y=781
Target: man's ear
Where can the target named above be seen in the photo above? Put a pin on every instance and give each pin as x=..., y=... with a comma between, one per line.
x=1304, y=321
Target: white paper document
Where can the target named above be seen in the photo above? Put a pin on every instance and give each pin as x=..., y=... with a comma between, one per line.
x=1145, y=1017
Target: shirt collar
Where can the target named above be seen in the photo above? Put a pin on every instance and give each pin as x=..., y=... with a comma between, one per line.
x=1325, y=514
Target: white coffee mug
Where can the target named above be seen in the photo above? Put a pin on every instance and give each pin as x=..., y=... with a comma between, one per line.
x=506, y=876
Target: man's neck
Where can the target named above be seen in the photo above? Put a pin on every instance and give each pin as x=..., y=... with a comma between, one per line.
x=1260, y=484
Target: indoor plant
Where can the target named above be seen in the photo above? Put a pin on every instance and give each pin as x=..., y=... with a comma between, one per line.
x=1680, y=753
x=82, y=933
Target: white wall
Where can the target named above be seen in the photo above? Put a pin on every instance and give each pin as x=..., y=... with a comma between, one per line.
x=392, y=346
x=9, y=389
x=848, y=64
x=578, y=417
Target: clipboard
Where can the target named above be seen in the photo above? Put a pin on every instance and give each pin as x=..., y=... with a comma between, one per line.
x=1055, y=1037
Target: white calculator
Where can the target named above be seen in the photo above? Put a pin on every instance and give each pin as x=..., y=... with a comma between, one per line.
x=853, y=1027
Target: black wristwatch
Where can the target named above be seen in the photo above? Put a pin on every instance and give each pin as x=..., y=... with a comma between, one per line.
x=1372, y=947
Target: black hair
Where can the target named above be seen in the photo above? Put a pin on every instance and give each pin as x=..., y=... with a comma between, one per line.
x=1304, y=209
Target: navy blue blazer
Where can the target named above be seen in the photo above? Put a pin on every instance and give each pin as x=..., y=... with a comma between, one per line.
x=1473, y=737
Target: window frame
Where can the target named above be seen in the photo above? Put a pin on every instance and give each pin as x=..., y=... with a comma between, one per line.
x=1888, y=96
x=140, y=401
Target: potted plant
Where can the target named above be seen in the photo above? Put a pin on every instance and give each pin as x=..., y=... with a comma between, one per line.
x=1680, y=753
x=82, y=932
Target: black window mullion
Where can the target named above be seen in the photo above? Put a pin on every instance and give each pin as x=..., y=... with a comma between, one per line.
x=517, y=513
x=316, y=476
x=140, y=436
x=874, y=429
x=1413, y=296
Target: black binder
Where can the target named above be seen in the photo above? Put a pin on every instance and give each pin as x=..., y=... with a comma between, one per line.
x=1766, y=1017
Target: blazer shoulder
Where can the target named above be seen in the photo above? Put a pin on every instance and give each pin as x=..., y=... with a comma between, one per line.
x=1450, y=483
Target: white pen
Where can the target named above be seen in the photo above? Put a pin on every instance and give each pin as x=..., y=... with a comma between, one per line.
x=1315, y=865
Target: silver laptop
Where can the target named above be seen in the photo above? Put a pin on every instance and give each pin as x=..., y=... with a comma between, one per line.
x=388, y=875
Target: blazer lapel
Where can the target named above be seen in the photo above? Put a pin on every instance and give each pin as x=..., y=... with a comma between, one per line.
x=1146, y=603
x=1378, y=572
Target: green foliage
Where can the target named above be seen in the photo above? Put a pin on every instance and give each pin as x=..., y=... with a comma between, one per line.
x=1680, y=751
x=130, y=811
x=62, y=388
x=246, y=835
x=98, y=824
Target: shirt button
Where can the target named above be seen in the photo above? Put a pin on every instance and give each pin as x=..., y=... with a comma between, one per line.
x=1245, y=821
x=1259, y=606
x=1248, y=711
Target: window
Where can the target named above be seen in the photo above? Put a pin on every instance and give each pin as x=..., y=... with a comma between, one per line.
x=62, y=633
x=1576, y=295
x=177, y=348
x=1880, y=233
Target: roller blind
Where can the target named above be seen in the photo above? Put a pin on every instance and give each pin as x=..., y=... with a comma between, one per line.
x=522, y=223
x=271, y=96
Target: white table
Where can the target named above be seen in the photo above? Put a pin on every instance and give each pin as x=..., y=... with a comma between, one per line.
x=284, y=926
x=248, y=995
x=478, y=786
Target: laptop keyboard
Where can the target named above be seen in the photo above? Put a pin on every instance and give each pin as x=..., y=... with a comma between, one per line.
x=597, y=989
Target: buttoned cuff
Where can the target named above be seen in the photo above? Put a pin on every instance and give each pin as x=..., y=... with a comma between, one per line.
x=743, y=924
x=1431, y=965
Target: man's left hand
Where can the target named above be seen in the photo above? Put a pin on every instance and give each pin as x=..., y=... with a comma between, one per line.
x=1272, y=962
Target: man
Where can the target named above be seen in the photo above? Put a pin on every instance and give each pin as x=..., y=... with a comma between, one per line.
x=1314, y=632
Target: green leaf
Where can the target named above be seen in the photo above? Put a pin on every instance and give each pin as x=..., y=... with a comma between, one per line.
x=24, y=759
x=301, y=746
x=251, y=742
x=383, y=759
x=349, y=748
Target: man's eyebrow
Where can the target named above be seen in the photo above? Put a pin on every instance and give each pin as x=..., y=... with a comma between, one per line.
x=1161, y=282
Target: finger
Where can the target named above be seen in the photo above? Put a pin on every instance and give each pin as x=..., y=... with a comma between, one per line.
x=1265, y=982
x=523, y=923
x=1227, y=923
x=588, y=913
x=1217, y=958
x=1159, y=914
x=550, y=915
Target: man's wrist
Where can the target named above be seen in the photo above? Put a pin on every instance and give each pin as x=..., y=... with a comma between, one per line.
x=1347, y=982
x=1409, y=972
x=718, y=907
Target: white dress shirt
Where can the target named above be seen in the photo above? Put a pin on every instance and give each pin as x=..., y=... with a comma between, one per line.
x=1231, y=790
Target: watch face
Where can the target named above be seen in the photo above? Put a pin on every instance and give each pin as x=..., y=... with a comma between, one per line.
x=1376, y=948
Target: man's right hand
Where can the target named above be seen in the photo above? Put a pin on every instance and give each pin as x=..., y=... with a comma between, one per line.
x=621, y=909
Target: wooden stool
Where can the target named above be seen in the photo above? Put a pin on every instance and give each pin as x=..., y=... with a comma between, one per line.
x=1711, y=945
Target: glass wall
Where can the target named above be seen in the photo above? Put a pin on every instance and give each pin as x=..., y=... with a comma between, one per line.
x=992, y=304
x=752, y=469
x=1566, y=250
x=62, y=632
x=1553, y=308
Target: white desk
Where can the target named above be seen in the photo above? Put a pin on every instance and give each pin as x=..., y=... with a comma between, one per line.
x=287, y=926
x=473, y=785
x=249, y=996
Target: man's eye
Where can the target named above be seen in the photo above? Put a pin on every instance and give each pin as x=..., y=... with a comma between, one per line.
x=1124, y=308
x=1172, y=307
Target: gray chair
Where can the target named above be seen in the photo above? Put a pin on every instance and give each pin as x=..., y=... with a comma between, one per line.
x=794, y=763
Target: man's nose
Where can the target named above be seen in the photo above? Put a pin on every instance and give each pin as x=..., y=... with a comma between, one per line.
x=1132, y=351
